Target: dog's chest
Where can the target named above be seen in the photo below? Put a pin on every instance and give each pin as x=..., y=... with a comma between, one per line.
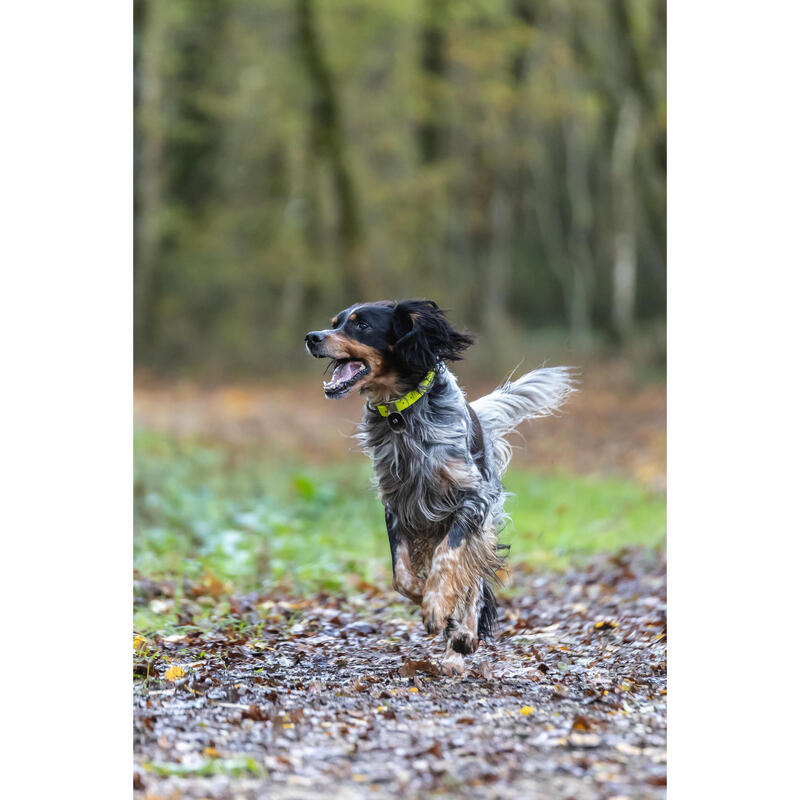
x=414, y=477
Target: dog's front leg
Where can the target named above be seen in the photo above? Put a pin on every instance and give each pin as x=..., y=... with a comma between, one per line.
x=449, y=580
x=462, y=632
x=404, y=579
x=442, y=586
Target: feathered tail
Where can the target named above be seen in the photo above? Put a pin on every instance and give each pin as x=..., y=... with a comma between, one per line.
x=537, y=394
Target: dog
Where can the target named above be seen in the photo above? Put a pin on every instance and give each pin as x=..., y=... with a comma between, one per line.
x=438, y=460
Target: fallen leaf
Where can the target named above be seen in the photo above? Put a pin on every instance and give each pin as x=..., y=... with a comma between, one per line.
x=435, y=750
x=559, y=690
x=213, y=585
x=484, y=670
x=526, y=710
x=255, y=713
x=411, y=668
x=174, y=672
x=581, y=724
x=211, y=752
x=605, y=624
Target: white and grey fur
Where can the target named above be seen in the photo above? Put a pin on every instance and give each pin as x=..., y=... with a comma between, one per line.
x=439, y=489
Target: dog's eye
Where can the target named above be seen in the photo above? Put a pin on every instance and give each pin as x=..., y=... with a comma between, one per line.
x=361, y=325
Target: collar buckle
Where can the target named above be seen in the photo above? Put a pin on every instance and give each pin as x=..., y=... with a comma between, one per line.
x=396, y=422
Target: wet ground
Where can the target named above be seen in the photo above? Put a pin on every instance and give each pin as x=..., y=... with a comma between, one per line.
x=288, y=697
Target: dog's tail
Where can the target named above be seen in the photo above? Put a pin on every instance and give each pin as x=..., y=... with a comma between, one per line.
x=537, y=394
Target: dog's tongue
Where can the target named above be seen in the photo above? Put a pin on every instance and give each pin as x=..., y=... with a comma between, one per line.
x=344, y=372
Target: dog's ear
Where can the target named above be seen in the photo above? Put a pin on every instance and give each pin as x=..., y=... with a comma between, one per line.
x=424, y=336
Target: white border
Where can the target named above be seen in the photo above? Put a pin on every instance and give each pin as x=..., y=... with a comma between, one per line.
x=732, y=398
x=65, y=325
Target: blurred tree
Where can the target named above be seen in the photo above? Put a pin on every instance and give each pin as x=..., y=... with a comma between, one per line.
x=507, y=159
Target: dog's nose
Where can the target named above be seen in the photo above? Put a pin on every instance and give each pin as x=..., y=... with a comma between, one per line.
x=313, y=337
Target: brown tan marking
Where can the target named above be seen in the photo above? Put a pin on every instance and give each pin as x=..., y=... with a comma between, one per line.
x=454, y=571
x=465, y=627
x=405, y=579
x=442, y=588
x=382, y=383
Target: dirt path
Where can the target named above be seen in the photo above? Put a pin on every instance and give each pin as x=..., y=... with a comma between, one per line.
x=326, y=698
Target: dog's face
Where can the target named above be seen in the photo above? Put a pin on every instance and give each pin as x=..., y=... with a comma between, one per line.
x=385, y=348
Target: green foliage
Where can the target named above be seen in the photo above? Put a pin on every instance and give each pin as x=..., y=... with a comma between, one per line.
x=203, y=508
x=293, y=156
x=237, y=766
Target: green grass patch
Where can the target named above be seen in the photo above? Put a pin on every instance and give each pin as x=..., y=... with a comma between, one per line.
x=203, y=508
x=235, y=767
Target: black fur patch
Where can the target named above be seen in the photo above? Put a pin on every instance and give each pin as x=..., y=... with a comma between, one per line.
x=463, y=644
x=488, y=618
x=391, y=529
x=424, y=336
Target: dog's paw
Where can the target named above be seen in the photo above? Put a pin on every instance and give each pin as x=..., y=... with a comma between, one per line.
x=452, y=664
x=433, y=622
x=464, y=642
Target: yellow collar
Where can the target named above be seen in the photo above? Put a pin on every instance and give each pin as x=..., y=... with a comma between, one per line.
x=407, y=400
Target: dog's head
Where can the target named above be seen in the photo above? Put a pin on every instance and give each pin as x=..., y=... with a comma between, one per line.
x=385, y=348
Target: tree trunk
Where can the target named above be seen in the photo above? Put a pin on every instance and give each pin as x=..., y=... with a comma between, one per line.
x=506, y=214
x=498, y=264
x=328, y=138
x=430, y=131
x=624, y=196
x=149, y=212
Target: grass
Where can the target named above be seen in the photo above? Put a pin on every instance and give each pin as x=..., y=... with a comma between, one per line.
x=206, y=509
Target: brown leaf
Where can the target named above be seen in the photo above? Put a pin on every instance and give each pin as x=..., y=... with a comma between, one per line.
x=559, y=690
x=411, y=668
x=435, y=750
x=255, y=713
x=483, y=670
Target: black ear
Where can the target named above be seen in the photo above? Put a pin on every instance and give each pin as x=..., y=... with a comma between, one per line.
x=424, y=336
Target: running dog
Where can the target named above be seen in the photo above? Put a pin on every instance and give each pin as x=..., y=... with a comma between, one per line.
x=438, y=460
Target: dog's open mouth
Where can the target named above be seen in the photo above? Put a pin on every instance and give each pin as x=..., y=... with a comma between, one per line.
x=346, y=373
